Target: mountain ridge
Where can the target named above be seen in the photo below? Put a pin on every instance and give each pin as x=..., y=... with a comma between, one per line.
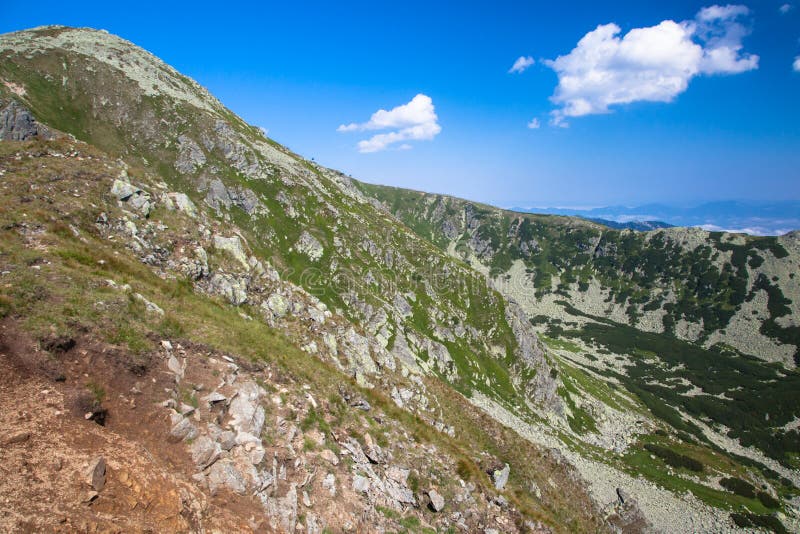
x=281, y=240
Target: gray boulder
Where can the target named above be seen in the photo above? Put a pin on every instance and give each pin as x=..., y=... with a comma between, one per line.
x=232, y=288
x=247, y=414
x=204, y=451
x=233, y=246
x=500, y=477
x=223, y=473
x=135, y=197
x=190, y=155
x=96, y=474
x=182, y=429
x=181, y=202
x=360, y=484
x=436, y=500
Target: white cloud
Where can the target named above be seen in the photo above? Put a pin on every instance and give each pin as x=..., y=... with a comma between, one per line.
x=715, y=12
x=521, y=64
x=785, y=8
x=414, y=121
x=653, y=64
x=534, y=124
x=796, y=64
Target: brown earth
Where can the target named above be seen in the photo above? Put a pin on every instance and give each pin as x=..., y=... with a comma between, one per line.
x=47, y=444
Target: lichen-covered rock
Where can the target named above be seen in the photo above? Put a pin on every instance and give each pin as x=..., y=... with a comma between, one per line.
x=123, y=190
x=134, y=196
x=221, y=197
x=233, y=246
x=190, y=155
x=149, y=306
x=356, y=348
x=500, y=476
x=181, y=202
x=308, y=245
x=234, y=289
x=276, y=305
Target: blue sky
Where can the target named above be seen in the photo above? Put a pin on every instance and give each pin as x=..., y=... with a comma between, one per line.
x=303, y=69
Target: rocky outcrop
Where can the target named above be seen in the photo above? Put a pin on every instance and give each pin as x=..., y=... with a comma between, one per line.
x=310, y=246
x=190, y=155
x=18, y=124
x=220, y=197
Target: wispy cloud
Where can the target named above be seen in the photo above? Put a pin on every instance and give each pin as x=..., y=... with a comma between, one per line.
x=653, y=64
x=796, y=64
x=785, y=8
x=521, y=64
x=534, y=124
x=414, y=121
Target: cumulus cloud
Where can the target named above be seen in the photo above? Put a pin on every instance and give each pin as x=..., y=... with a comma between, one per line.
x=796, y=64
x=522, y=63
x=414, y=121
x=653, y=64
x=534, y=124
x=785, y=8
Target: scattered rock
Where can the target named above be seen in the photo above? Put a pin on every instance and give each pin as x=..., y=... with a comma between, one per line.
x=232, y=288
x=181, y=202
x=182, y=430
x=329, y=483
x=204, y=451
x=190, y=155
x=360, y=484
x=276, y=304
x=137, y=198
x=175, y=367
x=247, y=415
x=500, y=476
x=398, y=474
x=329, y=456
x=223, y=473
x=96, y=474
x=19, y=437
x=436, y=500
x=214, y=397
x=149, y=306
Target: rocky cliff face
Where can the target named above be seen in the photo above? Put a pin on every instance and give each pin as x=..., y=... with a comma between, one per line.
x=294, y=319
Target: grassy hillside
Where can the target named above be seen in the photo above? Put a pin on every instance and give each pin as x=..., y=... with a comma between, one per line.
x=161, y=215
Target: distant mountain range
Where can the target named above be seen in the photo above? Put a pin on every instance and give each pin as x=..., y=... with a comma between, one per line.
x=641, y=226
x=756, y=218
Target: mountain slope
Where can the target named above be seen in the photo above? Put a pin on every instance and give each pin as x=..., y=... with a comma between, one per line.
x=253, y=253
x=679, y=317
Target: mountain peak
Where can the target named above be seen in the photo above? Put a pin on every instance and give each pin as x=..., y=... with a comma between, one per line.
x=153, y=76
